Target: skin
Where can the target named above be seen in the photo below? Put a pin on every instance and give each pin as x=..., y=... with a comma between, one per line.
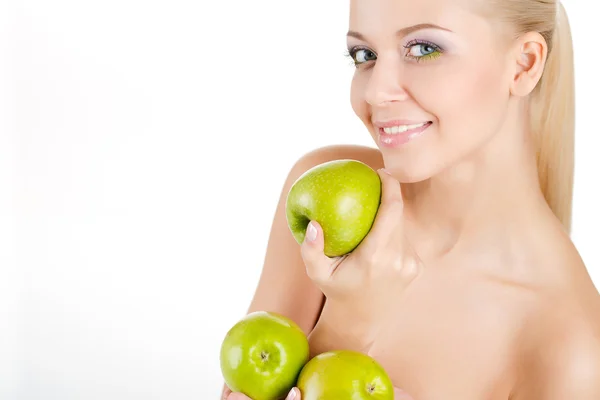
x=481, y=293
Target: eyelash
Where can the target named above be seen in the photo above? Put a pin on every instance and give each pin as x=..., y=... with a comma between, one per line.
x=351, y=53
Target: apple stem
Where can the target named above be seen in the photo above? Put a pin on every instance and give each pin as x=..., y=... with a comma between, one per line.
x=264, y=356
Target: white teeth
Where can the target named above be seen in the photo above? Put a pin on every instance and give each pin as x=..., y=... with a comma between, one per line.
x=401, y=128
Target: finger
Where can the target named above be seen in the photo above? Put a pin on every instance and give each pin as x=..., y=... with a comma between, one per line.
x=318, y=265
x=401, y=395
x=391, y=190
x=238, y=396
x=294, y=394
x=226, y=392
x=390, y=211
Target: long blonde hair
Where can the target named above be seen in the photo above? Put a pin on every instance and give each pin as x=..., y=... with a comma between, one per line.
x=552, y=103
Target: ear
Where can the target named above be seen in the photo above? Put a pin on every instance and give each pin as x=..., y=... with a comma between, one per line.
x=531, y=52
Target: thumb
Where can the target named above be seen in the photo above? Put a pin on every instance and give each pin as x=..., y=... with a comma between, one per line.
x=238, y=396
x=401, y=395
x=294, y=394
x=318, y=265
x=226, y=392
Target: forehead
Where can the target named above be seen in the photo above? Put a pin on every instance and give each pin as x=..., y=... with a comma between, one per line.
x=380, y=16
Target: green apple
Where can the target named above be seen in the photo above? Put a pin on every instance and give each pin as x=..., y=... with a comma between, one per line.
x=344, y=375
x=262, y=355
x=343, y=196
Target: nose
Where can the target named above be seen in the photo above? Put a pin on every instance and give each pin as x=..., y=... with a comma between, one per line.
x=385, y=84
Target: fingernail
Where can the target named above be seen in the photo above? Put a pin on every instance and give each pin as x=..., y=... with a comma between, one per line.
x=311, y=232
x=386, y=171
x=291, y=395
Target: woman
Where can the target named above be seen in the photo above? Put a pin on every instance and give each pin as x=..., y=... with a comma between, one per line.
x=468, y=286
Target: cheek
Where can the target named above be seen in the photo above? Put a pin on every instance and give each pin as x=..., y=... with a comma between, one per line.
x=357, y=97
x=473, y=97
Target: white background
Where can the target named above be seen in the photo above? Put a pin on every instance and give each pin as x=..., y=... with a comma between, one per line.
x=141, y=187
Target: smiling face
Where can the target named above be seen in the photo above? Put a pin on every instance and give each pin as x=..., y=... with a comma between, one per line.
x=431, y=62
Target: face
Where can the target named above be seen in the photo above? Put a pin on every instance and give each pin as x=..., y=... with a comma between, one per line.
x=431, y=96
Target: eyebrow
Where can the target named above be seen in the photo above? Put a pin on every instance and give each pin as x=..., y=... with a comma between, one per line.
x=404, y=31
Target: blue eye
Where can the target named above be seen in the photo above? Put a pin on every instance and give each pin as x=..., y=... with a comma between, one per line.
x=418, y=50
x=423, y=50
x=361, y=55
x=427, y=50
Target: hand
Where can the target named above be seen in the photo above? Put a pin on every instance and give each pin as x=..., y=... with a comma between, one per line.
x=228, y=395
x=361, y=286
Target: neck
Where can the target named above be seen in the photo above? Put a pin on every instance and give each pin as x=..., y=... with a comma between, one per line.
x=490, y=193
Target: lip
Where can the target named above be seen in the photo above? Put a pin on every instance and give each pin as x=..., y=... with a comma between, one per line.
x=396, y=122
x=398, y=139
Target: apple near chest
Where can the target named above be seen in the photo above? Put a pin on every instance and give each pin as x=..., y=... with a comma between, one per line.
x=265, y=354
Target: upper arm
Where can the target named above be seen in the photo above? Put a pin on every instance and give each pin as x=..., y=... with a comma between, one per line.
x=284, y=286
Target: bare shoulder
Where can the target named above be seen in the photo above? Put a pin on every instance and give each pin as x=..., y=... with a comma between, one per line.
x=284, y=286
x=570, y=361
x=562, y=360
x=368, y=155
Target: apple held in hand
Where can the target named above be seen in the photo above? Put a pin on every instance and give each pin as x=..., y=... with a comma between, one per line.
x=343, y=196
x=262, y=355
x=344, y=375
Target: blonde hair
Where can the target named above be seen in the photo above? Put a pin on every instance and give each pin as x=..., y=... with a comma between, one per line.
x=552, y=103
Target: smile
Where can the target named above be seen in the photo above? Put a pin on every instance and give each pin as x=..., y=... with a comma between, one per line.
x=392, y=130
x=398, y=135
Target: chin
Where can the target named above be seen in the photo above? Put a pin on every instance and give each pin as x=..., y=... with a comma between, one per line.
x=406, y=171
x=409, y=175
